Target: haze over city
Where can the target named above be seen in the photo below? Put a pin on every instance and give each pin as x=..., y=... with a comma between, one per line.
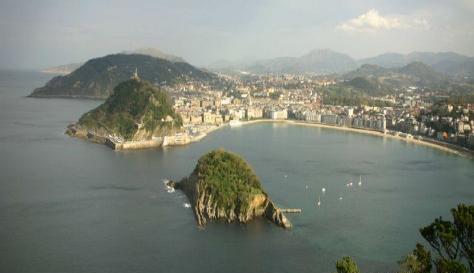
x=38, y=34
x=237, y=136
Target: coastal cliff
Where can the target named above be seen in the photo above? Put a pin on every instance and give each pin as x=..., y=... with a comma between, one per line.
x=223, y=186
x=137, y=113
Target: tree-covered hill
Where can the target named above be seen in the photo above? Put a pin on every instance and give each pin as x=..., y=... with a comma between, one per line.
x=228, y=178
x=422, y=74
x=366, y=71
x=136, y=110
x=98, y=77
x=224, y=186
x=450, y=63
x=412, y=74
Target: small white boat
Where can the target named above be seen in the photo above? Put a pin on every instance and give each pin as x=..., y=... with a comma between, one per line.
x=340, y=197
x=360, y=181
x=323, y=190
x=187, y=205
x=350, y=184
x=319, y=201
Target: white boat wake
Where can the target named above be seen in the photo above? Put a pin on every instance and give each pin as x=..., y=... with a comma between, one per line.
x=168, y=188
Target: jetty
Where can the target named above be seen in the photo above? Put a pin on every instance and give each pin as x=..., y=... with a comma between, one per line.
x=291, y=210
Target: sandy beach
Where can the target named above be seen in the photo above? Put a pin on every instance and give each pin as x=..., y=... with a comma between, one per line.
x=447, y=147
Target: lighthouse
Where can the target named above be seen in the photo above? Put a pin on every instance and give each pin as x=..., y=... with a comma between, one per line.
x=135, y=75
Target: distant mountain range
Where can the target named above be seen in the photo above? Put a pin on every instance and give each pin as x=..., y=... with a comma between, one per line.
x=450, y=63
x=97, y=77
x=62, y=69
x=325, y=61
x=390, y=60
x=375, y=80
x=154, y=52
x=157, y=53
x=321, y=61
x=371, y=77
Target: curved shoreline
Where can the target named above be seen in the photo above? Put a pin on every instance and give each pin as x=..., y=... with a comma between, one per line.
x=429, y=142
x=447, y=147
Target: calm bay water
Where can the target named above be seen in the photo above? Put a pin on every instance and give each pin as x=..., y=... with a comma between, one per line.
x=71, y=206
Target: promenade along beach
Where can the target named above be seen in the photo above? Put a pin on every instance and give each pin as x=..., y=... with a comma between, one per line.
x=387, y=133
x=200, y=132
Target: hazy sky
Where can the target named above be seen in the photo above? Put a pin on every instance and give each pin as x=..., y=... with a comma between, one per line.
x=41, y=33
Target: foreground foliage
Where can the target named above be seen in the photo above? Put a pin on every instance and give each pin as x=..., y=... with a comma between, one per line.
x=452, y=242
x=346, y=265
x=419, y=261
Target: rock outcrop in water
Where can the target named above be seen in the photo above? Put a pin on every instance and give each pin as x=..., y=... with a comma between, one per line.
x=224, y=186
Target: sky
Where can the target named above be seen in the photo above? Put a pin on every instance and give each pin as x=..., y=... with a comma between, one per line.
x=41, y=33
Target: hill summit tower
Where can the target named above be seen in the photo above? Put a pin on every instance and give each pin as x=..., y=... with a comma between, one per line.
x=135, y=75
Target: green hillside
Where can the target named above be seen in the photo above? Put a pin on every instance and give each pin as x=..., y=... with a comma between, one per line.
x=228, y=178
x=98, y=77
x=136, y=109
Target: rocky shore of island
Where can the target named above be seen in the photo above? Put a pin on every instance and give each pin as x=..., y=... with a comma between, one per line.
x=118, y=143
x=137, y=115
x=224, y=187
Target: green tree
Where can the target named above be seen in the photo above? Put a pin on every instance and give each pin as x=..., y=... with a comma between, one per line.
x=275, y=95
x=453, y=242
x=419, y=261
x=464, y=223
x=442, y=237
x=346, y=265
x=229, y=178
x=449, y=266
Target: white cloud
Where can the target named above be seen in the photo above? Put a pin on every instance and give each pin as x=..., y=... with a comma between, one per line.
x=372, y=21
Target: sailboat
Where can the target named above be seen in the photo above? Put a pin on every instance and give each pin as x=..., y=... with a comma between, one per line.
x=350, y=183
x=360, y=181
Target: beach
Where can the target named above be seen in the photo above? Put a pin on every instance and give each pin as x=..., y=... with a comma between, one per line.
x=447, y=147
x=207, y=130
